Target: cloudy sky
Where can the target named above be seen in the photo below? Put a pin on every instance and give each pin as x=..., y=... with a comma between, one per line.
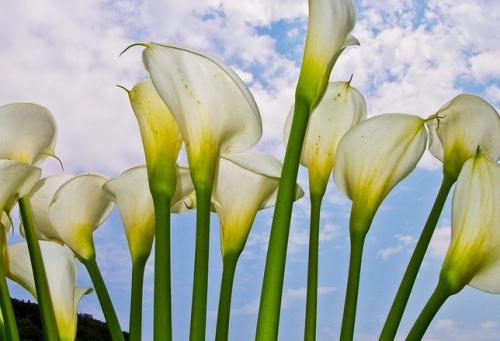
x=414, y=57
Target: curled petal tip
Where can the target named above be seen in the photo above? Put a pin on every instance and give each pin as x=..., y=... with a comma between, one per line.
x=122, y=87
x=350, y=79
x=57, y=158
x=146, y=45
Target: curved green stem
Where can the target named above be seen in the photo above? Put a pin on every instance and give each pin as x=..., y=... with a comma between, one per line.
x=312, y=269
x=439, y=296
x=104, y=299
x=9, y=327
x=400, y=301
x=226, y=289
x=135, y=323
x=272, y=286
x=162, y=284
x=200, y=277
x=351, y=297
x=42, y=286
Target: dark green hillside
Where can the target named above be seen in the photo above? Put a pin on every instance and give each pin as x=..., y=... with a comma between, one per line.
x=28, y=322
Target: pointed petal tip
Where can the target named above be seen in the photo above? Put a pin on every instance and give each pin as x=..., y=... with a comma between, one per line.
x=146, y=45
x=122, y=87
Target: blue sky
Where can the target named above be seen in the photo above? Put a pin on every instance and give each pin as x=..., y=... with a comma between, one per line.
x=414, y=57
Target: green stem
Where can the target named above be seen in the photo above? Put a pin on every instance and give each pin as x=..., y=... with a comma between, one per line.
x=312, y=270
x=42, y=286
x=135, y=323
x=200, y=277
x=439, y=296
x=3, y=335
x=226, y=289
x=104, y=299
x=162, y=284
x=272, y=286
x=351, y=297
x=9, y=319
x=400, y=301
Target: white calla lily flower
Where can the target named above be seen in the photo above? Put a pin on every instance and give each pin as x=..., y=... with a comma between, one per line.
x=215, y=111
x=160, y=134
x=474, y=254
x=61, y=276
x=133, y=198
x=245, y=183
x=184, y=198
x=5, y=224
x=328, y=34
x=40, y=197
x=341, y=108
x=463, y=124
x=78, y=207
x=375, y=156
x=27, y=132
x=16, y=179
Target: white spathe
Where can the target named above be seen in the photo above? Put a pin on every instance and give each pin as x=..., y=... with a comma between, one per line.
x=40, y=197
x=133, y=198
x=341, y=108
x=462, y=125
x=60, y=268
x=375, y=156
x=214, y=109
x=328, y=34
x=27, y=132
x=78, y=207
x=474, y=254
x=245, y=183
x=161, y=137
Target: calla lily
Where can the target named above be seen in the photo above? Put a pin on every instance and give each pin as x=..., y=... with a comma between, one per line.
x=341, y=108
x=473, y=257
x=16, y=179
x=216, y=114
x=160, y=134
x=245, y=183
x=4, y=228
x=41, y=197
x=215, y=111
x=78, y=207
x=133, y=198
x=474, y=254
x=131, y=193
x=372, y=158
x=462, y=124
x=27, y=132
x=375, y=156
x=455, y=132
x=61, y=275
x=328, y=34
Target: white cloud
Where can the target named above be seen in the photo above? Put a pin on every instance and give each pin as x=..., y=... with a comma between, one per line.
x=440, y=242
x=489, y=325
x=484, y=66
x=405, y=243
x=289, y=299
x=493, y=93
x=448, y=329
